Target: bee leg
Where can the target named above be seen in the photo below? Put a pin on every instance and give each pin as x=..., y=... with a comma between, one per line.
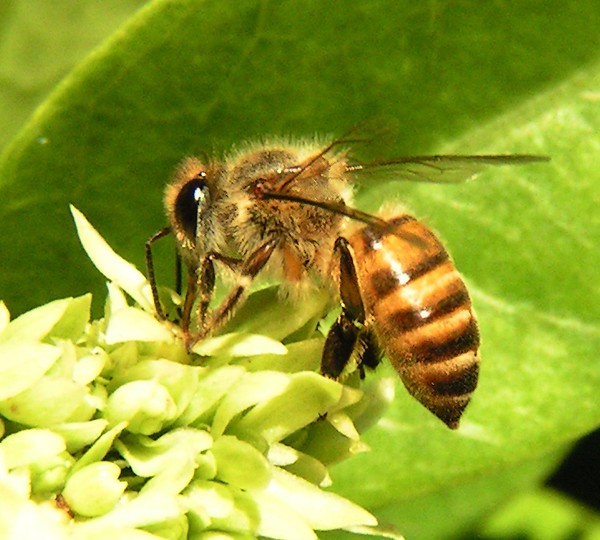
x=190, y=296
x=339, y=346
x=370, y=352
x=202, y=280
x=249, y=268
x=206, y=282
x=150, y=270
x=345, y=333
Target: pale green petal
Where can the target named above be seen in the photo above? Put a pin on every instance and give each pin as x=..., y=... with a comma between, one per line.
x=30, y=407
x=48, y=475
x=22, y=364
x=147, y=457
x=280, y=415
x=111, y=265
x=240, y=464
x=244, y=516
x=181, y=380
x=73, y=321
x=146, y=406
x=320, y=509
x=37, y=323
x=300, y=464
x=329, y=446
x=282, y=455
x=301, y=356
x=213, y=499
x=212, y=386
x=250, y=390
x=239, y=344
x=4, y=316
x=343, y=423
x=101, y=447
x=80, y=434
x=95, y=489
x=265, y=313
x=116, y=299
x=133, y=324
x=173, y=479
x=145, y=509
x=89, y=368
x=279, y=520
x=30, y=445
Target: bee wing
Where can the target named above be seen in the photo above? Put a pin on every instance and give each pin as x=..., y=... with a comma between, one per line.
x=445, y=169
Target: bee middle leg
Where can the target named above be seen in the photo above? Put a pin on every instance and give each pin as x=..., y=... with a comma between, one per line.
x=201, y=284
x=248, y=269
x=348, y=333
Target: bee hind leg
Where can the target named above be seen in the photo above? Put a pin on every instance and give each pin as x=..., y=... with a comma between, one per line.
x=339, y=346
x=370, y=353
x=348, y=333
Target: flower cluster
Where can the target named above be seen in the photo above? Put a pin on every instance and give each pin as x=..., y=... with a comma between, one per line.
x=109, y=427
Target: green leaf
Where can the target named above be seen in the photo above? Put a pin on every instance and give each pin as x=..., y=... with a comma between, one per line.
x=34, y=56
x=542, y=514
x=460, y=77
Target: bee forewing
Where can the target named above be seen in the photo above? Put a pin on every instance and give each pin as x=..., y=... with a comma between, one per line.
x=445, y=169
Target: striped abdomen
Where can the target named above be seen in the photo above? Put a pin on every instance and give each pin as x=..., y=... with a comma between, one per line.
x=419, y=308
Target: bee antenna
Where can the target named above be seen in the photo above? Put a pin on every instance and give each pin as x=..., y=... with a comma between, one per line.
x=330, y=206
x=345, y=139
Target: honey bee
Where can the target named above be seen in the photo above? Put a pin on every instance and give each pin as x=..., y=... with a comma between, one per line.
x=284, y=209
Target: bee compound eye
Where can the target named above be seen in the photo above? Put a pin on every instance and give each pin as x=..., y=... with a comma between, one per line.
x=191, y=200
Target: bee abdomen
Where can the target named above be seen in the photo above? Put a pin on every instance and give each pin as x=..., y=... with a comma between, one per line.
x=444, y=387
x=430, y=334
x=437, y=357
x=411, y=317
x=421, y=313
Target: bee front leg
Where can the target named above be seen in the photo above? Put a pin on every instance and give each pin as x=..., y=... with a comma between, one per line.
x=188, y=302
x=348, y=331
x=150, y=270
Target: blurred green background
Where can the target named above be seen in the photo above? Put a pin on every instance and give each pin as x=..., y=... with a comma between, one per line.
x=197, y=77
